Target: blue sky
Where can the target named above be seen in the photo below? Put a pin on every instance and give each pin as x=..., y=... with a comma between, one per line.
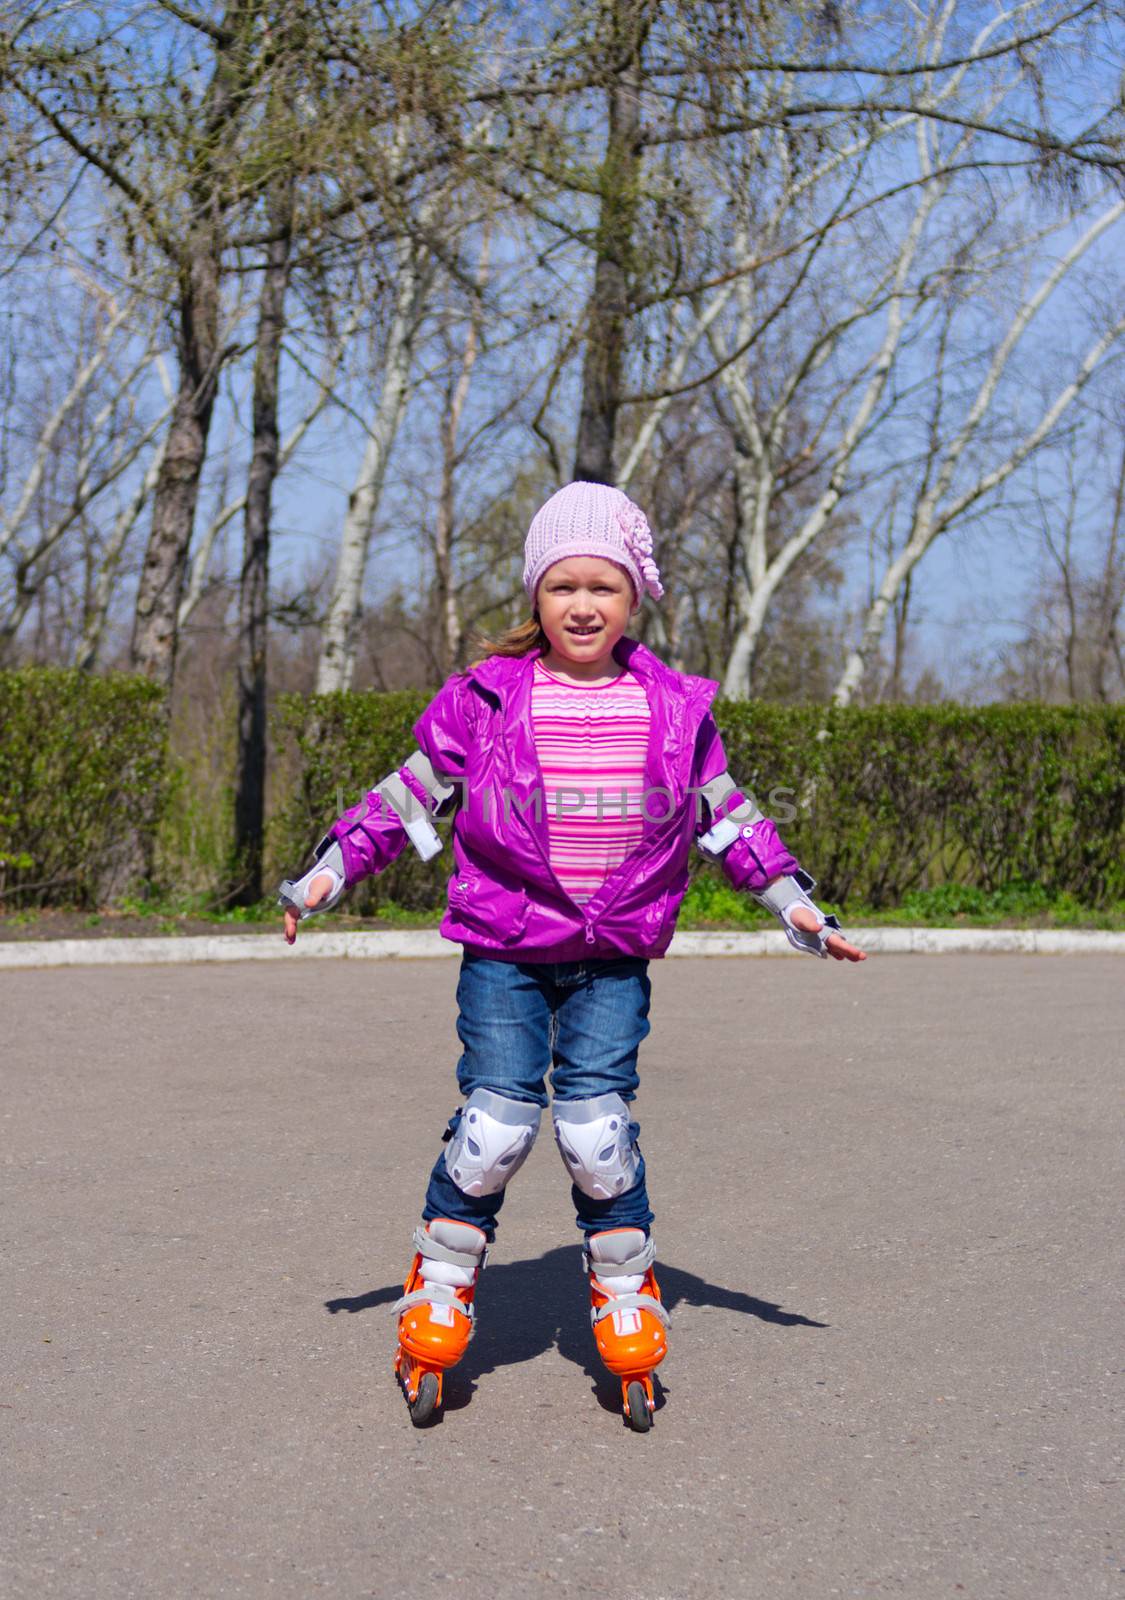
x=973, y=590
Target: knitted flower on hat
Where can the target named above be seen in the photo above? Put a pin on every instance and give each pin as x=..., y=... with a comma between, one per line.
x=591, y=519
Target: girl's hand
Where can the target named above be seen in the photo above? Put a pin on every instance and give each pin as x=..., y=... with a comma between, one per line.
x=838, y=946
x=318, y=888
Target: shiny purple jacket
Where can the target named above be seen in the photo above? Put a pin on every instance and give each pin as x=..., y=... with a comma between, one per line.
x=504, y=900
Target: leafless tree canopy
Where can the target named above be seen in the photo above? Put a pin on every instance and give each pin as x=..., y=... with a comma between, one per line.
x=307, y=306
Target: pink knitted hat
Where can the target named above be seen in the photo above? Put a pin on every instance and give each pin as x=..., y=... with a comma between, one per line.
x=591, y=519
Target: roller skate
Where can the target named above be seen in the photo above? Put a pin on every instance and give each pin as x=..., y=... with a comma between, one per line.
x=435, y=1314
x=629, y=1320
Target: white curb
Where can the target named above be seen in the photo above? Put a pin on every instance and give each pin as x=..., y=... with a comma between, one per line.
x=915, y=941
x=415, y=943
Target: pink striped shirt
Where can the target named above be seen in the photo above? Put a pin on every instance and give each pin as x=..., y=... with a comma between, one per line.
x=591, y=744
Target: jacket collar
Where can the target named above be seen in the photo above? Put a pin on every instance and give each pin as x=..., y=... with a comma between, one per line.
x=501, y=674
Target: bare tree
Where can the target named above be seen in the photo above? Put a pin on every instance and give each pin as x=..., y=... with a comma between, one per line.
x=743, y=252
x=413, y=277
x=1109, y=598
x=456, y=393
x=78, y=446
x=172, y=166
x=1068, y=644
x=940, y=502
x=424, y=243
x=807, y=278
x=97, y=610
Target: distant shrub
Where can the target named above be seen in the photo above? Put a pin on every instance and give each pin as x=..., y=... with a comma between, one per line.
x=82, y=774
x=876, y=801
x=1003, y=809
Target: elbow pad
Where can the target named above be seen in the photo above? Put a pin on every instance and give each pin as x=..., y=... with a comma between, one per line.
x=789, y=891
x=405, y=805
x=409, y=810
x=329, y=859
x=721, y=835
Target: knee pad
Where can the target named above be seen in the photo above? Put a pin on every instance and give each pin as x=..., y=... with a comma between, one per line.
x=492, y=1142
x=595, y=1140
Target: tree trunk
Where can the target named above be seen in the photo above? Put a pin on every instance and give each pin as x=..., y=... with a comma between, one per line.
x=1109, y=597
x=902, y=612
x=753, y=583
x=457, y=393
x=155, y=624
x=253, y=594
x=155, y=630
x=97, y=609
x=448, y=621
x=336, y=666
x=608, y=312
x=929, y=520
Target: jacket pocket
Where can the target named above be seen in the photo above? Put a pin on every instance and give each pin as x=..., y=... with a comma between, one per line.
x=660, y=916
x=500, y=915
x=669, y=911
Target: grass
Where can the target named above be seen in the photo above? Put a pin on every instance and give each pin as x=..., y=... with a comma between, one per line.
x=712, y=903
x=709, y=904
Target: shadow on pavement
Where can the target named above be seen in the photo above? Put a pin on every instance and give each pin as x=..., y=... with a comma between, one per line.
x=526, y=1307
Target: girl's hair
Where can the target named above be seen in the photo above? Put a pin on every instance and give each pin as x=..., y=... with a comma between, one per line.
x=517, y=641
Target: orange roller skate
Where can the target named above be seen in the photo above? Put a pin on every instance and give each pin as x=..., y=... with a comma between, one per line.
x=435, y=1314
x=629, y=1320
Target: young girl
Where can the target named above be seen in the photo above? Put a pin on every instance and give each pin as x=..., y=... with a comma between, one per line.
x=586, y=771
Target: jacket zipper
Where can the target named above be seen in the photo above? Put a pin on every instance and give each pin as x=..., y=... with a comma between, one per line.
x=588, y=924
x=648, y=849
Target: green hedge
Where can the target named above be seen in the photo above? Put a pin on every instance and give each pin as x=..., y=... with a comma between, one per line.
x=875, y=801
x=890, y=800
x=82, y=765
x=896, y=798
x=345, y=743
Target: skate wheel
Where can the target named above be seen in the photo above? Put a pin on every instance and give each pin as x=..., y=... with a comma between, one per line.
x=429, y=1392
x=637, y=1413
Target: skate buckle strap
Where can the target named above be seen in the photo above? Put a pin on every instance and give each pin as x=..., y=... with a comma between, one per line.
x=432, y=1249
x=630, y=1302
x=621, y=1269
x=439, y=1294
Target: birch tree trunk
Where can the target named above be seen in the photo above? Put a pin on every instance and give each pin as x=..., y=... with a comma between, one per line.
x=336, y=667
x=93, y=630
x=49, y=434
x=449, y=621
x=457, y=393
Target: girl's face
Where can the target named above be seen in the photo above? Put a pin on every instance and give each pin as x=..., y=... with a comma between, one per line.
x=584, y=604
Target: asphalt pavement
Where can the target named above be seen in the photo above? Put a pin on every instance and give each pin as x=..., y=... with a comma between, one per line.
x=889, y=1229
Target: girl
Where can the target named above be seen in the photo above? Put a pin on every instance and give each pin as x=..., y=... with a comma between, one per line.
x=586, y=769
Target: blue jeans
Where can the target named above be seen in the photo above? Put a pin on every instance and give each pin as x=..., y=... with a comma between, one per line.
x=578, y=1023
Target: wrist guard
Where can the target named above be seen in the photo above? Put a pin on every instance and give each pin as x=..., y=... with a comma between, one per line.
x=791, y=890
x=329, y=859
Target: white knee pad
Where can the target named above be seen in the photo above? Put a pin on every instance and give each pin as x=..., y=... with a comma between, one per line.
x=596, y=1144
x=492, y=1142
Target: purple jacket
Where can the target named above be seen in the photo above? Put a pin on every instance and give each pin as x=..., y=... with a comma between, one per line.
x=504, y=900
